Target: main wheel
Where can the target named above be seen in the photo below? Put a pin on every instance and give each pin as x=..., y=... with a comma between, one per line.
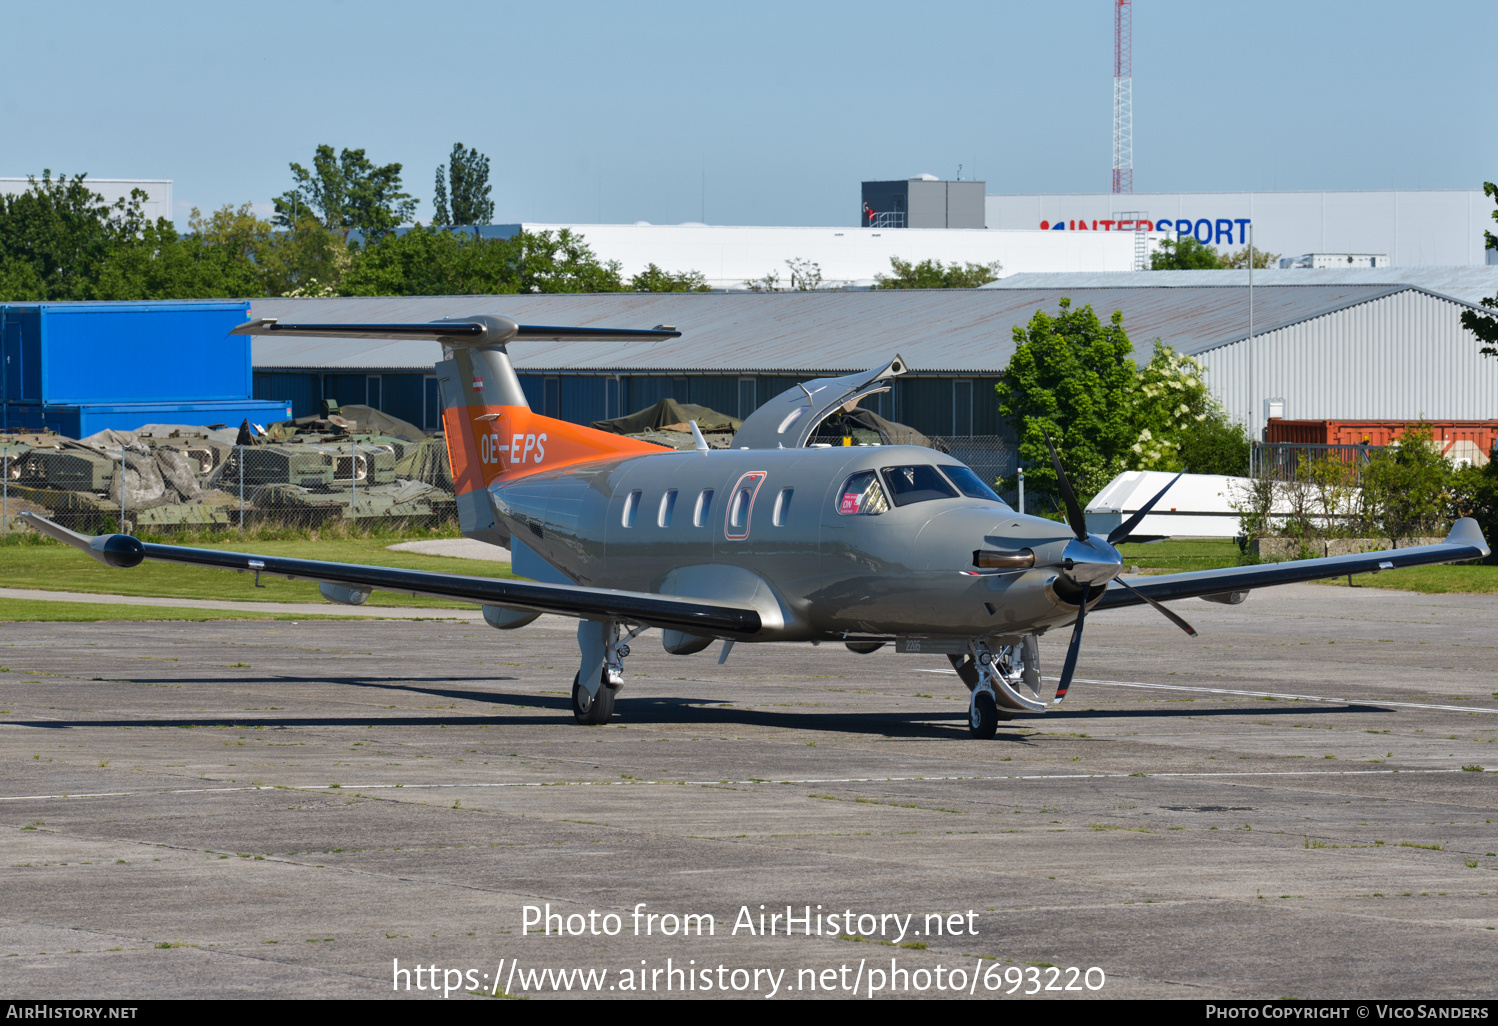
x=982, y=715
x=588, y=710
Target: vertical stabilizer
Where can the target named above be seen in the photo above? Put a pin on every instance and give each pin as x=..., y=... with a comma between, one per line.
x=493, y=436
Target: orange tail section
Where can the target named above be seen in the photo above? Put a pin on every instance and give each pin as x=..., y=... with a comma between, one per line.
x=500, y=443
x=493, y=435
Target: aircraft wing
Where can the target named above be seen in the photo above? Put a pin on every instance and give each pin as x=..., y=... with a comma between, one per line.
x=665, y=611
x=1464, y=542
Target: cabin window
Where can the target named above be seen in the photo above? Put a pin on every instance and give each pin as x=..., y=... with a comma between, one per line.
x=668, y=506
x=704, y=507
x=919, y=483
x=783, y=506
x=970, y=484
x=631, y=507
x=862, y=496
x=741, y=506
x=739, y=512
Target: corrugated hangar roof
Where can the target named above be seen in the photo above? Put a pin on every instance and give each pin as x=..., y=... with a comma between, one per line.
x=937, y=331
x=1468, y=284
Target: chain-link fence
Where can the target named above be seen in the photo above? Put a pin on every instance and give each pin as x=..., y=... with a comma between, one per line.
x=153, y=486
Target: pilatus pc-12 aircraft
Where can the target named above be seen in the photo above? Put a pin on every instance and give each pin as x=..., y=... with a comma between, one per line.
x=770, y=540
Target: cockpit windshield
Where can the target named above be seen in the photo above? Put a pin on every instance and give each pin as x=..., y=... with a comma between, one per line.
x=970, y=484
x=916, y=484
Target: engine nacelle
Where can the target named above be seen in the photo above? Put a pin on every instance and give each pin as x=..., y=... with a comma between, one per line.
x=343, y=595
x=1227, y=598
x=682, y=643
x=506, y=619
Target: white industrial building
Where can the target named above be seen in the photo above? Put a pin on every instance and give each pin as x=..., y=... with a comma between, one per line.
x=1430, y=227
x=729, y=256
x=158, y=202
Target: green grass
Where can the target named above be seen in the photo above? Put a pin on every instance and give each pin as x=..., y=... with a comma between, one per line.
x=1431, y=580
x=1178, y=556
x=56, y=567
x=24, y=610
x=1210, y=554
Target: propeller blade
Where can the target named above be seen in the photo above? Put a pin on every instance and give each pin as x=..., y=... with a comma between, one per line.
x=1172, y=617
x=1070, y=666
x=1074, y=515
x=1126, y=528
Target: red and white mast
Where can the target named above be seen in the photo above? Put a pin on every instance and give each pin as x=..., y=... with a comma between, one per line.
x=1123, y=96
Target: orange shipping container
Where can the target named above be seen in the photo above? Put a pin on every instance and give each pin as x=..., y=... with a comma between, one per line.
x=1472, y=440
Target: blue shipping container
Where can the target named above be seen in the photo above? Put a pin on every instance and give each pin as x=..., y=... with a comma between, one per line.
x=91, y=353
x=84, y=420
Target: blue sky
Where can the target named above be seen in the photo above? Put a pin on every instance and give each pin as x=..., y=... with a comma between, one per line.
x=765, y=113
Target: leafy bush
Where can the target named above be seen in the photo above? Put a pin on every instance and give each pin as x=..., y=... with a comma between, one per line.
x=1409, y=488
x=1074, y=376
x=1216, y=445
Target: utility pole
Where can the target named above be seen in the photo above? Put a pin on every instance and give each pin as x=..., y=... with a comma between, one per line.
x=1123, y=96
x=1249, y=356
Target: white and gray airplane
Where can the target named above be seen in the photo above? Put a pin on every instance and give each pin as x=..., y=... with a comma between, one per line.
x=768, y=541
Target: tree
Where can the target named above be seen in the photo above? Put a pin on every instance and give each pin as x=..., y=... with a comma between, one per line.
x=769, y=283
x=161, y=264
x=304, y=259
x=1485, y=326
x=1239, y=260
x=806, y=276
x=1072, y=375
x=1408, y=486
x=346, y=192
x=1185, y=254
x=653, y=279
x=426, y=262
x=930, y=274
x=1477, y=497
x=467, y=173
x=56, y=237
x=1170, y=401
x=1216, y=445
x=1075, y=377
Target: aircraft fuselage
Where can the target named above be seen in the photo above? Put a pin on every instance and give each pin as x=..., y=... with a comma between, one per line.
x=776, y=529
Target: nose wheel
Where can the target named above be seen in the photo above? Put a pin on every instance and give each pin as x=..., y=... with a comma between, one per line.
x=982, y=714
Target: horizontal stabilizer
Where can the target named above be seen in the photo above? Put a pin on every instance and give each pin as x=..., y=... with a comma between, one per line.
x=479, y=330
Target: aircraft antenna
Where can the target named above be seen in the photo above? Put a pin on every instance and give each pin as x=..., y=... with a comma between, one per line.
x=1123, y=96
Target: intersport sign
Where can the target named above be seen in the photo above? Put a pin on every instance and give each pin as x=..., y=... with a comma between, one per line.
x=1207, y=231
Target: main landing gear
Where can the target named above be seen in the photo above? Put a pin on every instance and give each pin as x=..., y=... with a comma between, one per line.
x=604, y=645
x=1002, y=679
x=592, y=709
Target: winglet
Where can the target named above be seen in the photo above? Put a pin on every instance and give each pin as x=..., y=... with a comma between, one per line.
x=121, y=550
x=1466, y=532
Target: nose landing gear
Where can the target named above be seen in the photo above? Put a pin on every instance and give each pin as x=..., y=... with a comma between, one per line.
x=1003, y=679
